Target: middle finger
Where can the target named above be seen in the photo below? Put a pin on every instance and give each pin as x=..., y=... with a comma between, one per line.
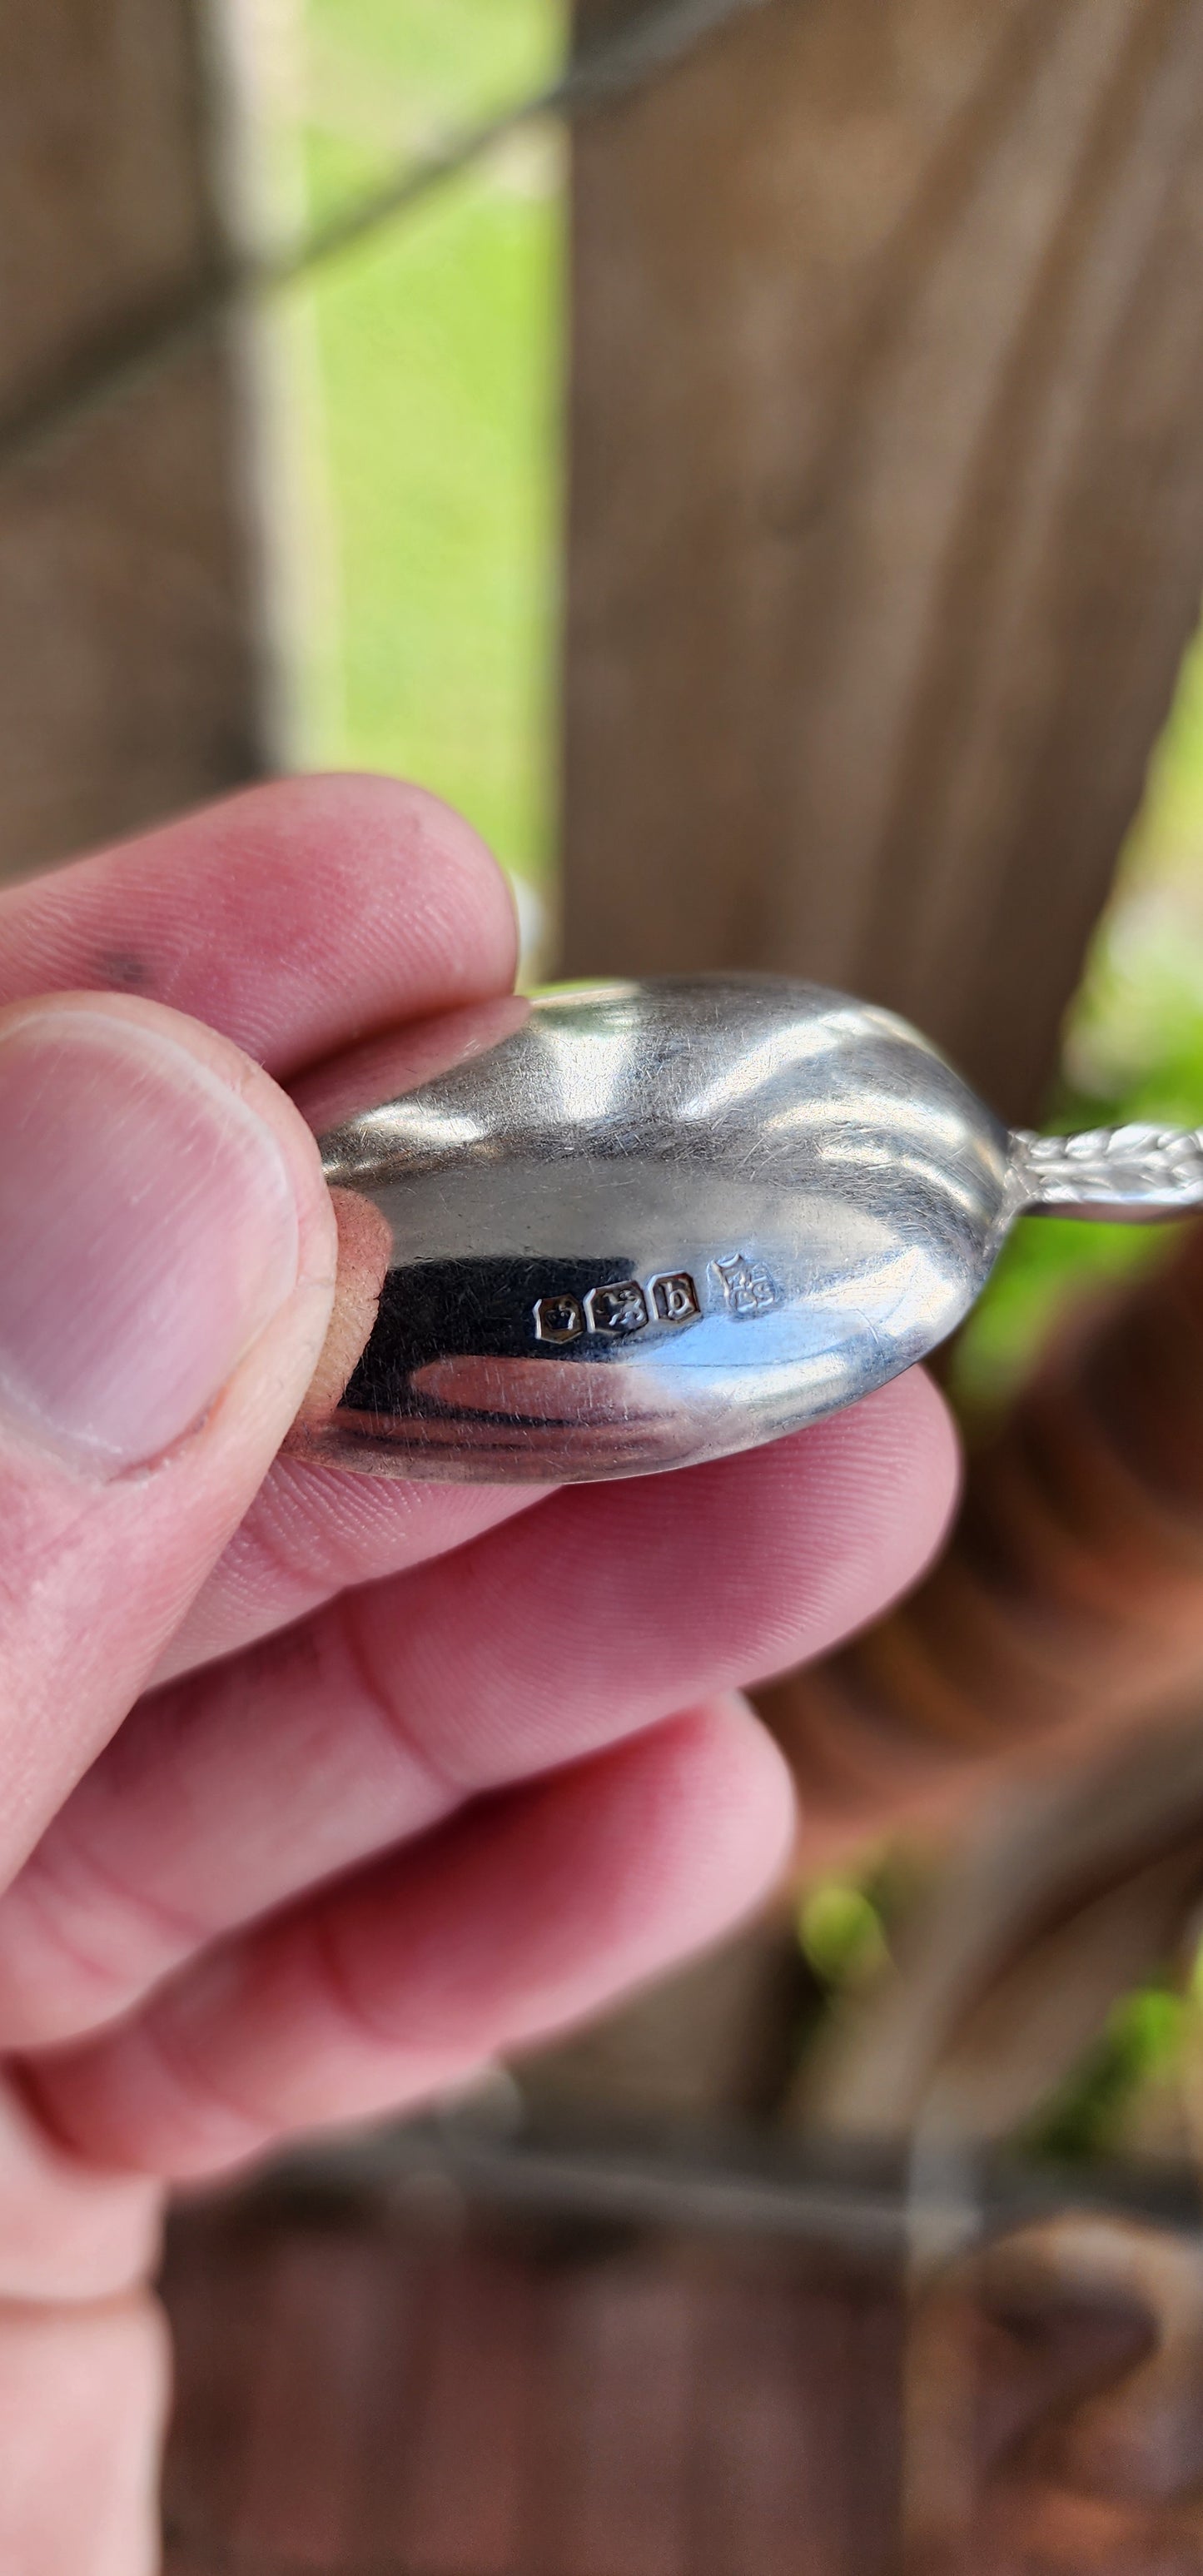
x=601, y=1611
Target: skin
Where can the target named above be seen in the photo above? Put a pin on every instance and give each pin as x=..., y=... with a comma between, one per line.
x=318, y=1792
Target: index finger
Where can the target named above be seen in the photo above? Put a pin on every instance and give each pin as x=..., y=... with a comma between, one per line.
x=296, y=918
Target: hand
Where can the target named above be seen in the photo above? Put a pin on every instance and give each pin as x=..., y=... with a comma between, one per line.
x=316, y=1792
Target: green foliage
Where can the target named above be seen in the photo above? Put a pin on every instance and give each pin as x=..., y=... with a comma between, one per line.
x=1142, y=2041
x=841, y=1931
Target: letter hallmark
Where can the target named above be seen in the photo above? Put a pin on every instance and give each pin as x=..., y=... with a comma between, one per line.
x=675, y=1298
x=746, y=1285
x=623, y=1308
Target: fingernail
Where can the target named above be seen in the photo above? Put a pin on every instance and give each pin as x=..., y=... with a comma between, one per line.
x=148, y=1232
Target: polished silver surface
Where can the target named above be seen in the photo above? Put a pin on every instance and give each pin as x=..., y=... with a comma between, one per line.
x=630, y=1226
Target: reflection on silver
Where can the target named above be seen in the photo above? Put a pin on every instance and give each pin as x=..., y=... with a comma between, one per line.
x=654, y=1223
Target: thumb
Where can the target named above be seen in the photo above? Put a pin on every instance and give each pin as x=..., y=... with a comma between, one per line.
x=167, y=1255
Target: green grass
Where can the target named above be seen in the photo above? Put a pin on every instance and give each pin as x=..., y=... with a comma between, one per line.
x=404, y=70
x=438, y=358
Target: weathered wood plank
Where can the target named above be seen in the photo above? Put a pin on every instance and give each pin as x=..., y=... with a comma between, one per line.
x=130, y=661
x=450, y=2403
x=887, y=498
x=704, y=2406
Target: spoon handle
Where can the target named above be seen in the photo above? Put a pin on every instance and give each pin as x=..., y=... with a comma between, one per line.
x=1131, y=1174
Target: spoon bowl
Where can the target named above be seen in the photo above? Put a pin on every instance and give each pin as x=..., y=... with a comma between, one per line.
x=653, y=1225
x=631, y=1226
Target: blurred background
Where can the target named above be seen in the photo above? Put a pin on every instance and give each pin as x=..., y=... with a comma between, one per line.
x=746, y=454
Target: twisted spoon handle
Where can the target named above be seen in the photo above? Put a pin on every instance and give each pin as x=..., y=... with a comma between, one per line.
x=1127, y=1173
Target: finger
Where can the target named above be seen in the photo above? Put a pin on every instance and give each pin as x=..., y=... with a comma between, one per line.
x=599, y=1613
x=312, y=1532
x=83, y=2395
x=83, y=2363
x=518, y=1919
x=295, y=918
x=166, y=1284
x=66, y=2233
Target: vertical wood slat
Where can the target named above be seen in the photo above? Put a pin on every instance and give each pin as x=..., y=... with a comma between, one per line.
x=445, y=2488
x=303, y=2429
x=887, y=498
x=219, y=2348
x=617, y=2354
x=524, y=2405
x=130, y=663
x=774, y=2472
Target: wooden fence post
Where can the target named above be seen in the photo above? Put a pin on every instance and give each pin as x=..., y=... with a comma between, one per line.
x=887, y=498
x=131, y=665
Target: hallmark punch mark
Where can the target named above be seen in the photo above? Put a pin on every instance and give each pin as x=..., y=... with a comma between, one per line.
x=747, y=1286
x=621, y=1307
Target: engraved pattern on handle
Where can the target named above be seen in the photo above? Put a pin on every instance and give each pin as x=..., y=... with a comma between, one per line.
x=1135, y=1171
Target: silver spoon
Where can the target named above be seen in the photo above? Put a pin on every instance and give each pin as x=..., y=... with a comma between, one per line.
x=629, y=1226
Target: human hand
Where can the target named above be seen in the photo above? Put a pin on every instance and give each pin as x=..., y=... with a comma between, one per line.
x=316, y=1792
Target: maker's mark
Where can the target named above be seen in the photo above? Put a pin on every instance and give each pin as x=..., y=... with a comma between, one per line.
x=747, y=1285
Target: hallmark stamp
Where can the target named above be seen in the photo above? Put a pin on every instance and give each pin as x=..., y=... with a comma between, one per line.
x=559, y=1319
x=674, y=1297
x=747, y=1286
x=621, y=1309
